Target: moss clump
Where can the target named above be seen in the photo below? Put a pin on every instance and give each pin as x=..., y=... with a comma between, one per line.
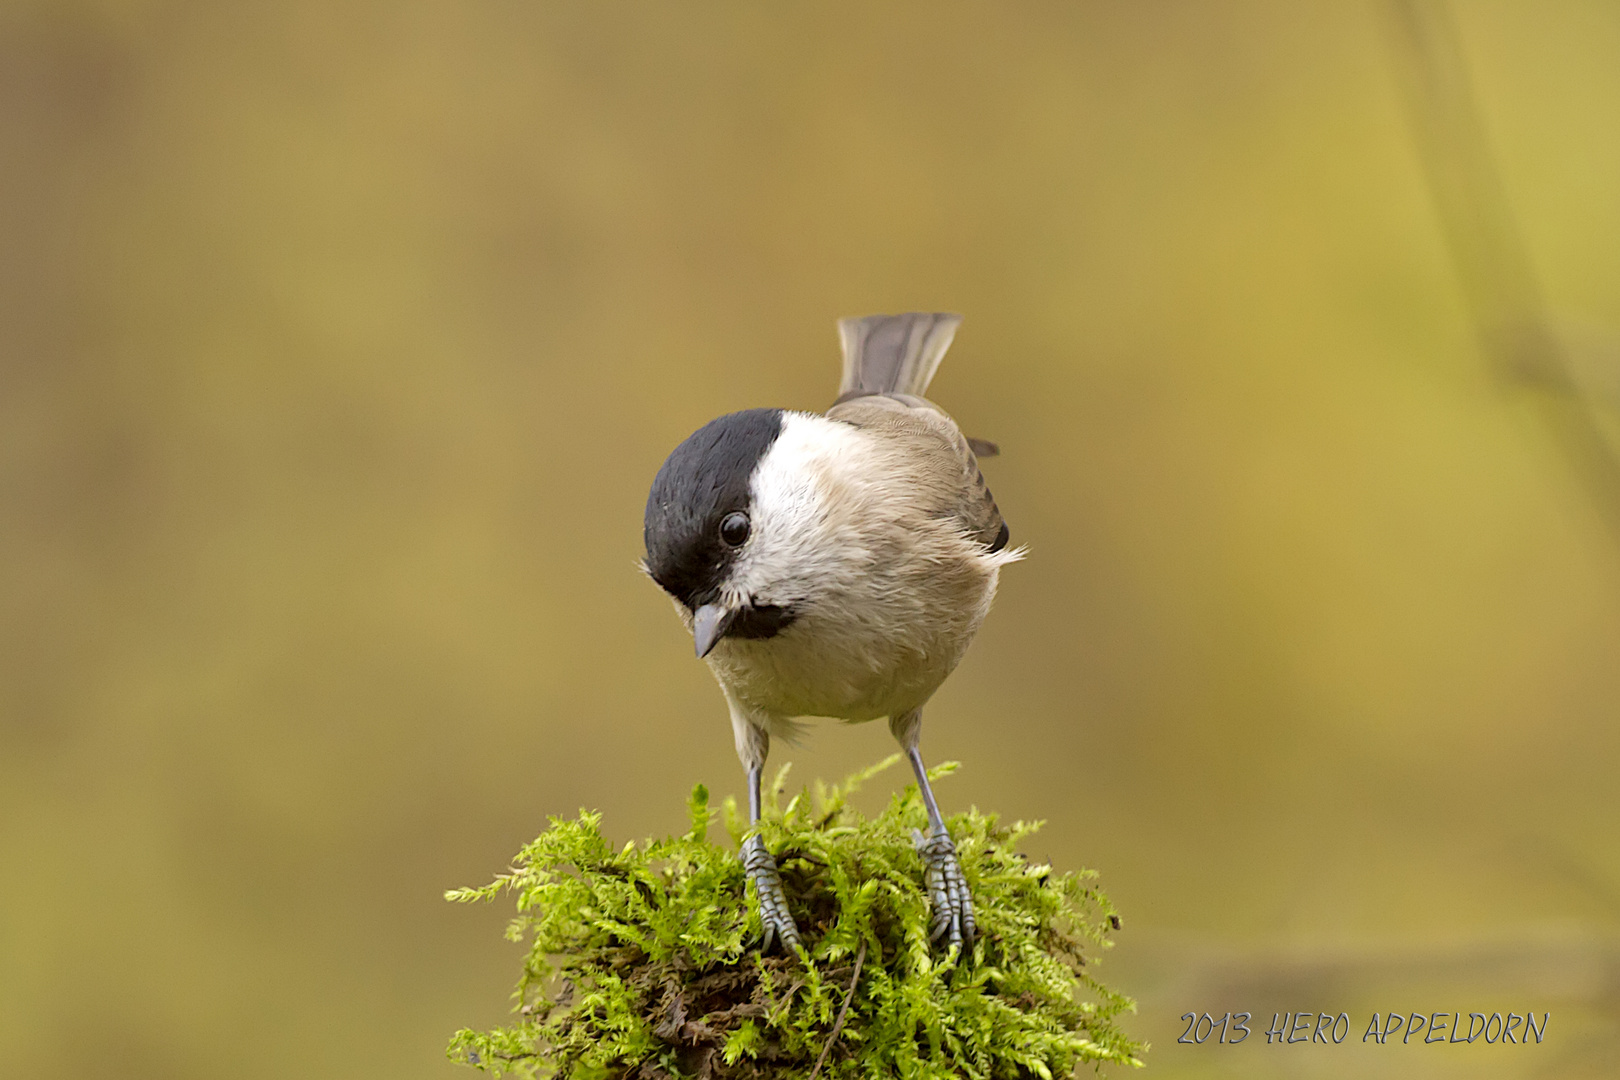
x=640, y=961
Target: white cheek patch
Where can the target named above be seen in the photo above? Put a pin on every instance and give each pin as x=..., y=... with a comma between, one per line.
x=792, y=541
x=782, y=490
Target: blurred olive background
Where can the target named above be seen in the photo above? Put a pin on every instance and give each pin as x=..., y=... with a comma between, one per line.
x=340, y=344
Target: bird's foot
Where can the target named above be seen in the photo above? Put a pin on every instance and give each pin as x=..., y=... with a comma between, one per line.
x=773, y=912
x=947, y=889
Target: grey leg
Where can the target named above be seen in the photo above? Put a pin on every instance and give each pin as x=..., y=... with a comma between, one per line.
x=753, y=743
x=761, y=870
x=947, y=888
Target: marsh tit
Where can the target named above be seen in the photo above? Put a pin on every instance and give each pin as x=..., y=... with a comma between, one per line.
x=835, y=565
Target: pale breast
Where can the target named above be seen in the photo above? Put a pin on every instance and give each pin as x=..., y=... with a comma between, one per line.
x=886, y=582
x=878, y=641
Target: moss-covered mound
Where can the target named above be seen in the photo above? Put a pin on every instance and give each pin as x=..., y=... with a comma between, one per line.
x=640, y=961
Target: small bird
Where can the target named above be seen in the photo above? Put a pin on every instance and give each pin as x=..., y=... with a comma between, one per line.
x=836, y=565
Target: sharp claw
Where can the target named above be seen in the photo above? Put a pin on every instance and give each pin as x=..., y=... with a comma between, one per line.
x=778, y=925
x=953, y=917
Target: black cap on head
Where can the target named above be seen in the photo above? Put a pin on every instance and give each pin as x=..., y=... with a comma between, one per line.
x=704, y=479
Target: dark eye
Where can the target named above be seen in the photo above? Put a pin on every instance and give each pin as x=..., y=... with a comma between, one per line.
x=734, y=529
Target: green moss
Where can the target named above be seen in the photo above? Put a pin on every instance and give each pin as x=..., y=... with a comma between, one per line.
x=640, y=961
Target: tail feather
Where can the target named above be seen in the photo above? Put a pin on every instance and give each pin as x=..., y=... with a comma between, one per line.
x=894, y=354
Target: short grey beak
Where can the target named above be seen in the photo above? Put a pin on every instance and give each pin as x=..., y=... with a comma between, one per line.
x=709, y=624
